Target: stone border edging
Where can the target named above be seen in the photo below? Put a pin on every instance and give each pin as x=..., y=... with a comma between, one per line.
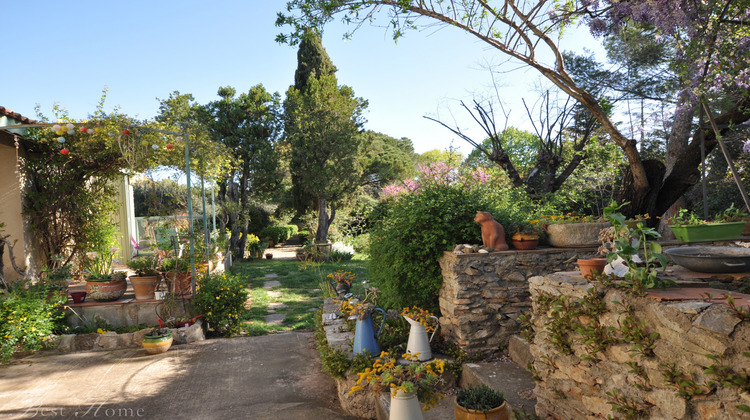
x=112, y=341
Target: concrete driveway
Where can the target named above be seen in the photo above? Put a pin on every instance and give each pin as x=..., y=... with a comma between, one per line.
x=268, y=377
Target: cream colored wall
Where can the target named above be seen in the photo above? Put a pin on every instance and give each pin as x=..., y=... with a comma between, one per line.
x=123, y=220
x=10, y=208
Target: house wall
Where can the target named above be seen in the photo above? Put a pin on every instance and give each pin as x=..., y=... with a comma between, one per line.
x=10, y=207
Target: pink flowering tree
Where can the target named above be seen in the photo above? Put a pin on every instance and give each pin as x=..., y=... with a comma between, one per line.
x=710, y=63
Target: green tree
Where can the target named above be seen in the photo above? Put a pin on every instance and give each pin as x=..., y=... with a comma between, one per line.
x=386, y=159
x=450, y=157
x=322, y=123
x=249, y=126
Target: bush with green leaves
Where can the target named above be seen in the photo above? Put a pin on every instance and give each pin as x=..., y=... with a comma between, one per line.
x=221, y=300
x=414, y=228
x=28, y=316
x=278, y=234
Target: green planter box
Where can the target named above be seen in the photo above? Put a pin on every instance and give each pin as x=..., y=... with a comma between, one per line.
x=707, y=233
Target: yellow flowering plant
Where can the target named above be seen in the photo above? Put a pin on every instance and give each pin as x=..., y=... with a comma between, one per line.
x=387, y=374
x=420, y=315
x=342, y=280
x=360, y=309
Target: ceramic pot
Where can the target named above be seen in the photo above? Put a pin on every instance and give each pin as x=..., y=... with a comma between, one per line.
x=144, y=286
x=418, y=341
x=106, y=291
x=269, y=256
x=365, y=335
x=592, y=266
x=157, y=344
x=405, y=406
x=78, y=297
x=497, y=413
x=524, y=241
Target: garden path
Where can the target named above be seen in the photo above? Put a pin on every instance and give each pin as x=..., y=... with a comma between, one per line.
x=274, y=376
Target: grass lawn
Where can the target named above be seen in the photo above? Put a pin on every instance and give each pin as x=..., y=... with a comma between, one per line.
x=294, y=302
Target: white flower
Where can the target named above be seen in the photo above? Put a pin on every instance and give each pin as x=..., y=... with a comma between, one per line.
x=342, y=248
x=91, y=255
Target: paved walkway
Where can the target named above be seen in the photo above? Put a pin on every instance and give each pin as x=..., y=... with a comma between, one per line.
x=269, y=377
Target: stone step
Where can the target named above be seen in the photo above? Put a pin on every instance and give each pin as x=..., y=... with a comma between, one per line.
x=519, y=351
x=515, y=382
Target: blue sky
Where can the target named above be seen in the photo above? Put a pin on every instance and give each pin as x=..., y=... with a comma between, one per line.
x=67, y=52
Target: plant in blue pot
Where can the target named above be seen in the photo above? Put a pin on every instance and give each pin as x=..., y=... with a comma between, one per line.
x=365, y=336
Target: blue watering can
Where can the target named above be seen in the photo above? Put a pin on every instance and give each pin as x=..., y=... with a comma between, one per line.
x=364, y=335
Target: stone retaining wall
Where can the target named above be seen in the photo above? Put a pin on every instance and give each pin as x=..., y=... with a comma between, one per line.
x=112, y=340
x=483, y=294
x=606, y=352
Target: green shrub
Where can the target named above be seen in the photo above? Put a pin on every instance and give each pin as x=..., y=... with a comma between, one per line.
x=278, y=234
x=221, y=299
x=480, y=398
x=27, y=318
x=413, y=231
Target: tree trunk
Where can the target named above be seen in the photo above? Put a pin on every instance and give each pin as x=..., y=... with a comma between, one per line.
x=242, y=220
x=324, y=222
x=641, y=202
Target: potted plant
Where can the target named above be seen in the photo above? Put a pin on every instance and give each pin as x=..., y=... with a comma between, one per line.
x=573, y=231
x=526, y=235
x=365, y=337
x=158, y=340
x=689, y=227
x=178, y=275
x=420, y=321
x=147, y=276
x=101, y=283
x=480, y=402
x=407, y=383
x=342, y=281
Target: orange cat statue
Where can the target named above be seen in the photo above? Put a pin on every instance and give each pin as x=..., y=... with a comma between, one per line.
x=493, y=234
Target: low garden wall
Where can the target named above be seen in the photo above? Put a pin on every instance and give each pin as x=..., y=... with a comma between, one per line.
x=603, y=351
x=483, y=294
x=119, y=313
x=112, y=340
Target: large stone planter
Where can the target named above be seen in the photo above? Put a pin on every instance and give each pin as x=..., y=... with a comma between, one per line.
x=575, y=235
x=105, y=291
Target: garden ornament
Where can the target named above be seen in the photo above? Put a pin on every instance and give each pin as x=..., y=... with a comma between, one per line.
x=493, y=234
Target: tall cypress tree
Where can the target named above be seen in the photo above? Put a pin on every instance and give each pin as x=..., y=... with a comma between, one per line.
x=312, y=61
x=322, y=122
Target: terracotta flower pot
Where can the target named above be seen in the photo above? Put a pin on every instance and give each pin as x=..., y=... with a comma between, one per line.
x=591, y=267
x=524, y=241
x=105, y=291
x=144, y=286
x=497, y=413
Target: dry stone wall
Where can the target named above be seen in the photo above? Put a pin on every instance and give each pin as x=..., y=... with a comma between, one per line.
x=483, y=294
x=601, y=352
